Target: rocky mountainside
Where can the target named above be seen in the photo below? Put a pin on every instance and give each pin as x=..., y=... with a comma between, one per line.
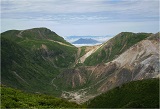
x=140, y=61
x=114, y=47
x=38, y=60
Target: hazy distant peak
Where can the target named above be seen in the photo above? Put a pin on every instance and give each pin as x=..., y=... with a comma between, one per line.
x=85, y=41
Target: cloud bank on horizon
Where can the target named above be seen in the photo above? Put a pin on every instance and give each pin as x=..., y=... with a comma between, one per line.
x=81, y=17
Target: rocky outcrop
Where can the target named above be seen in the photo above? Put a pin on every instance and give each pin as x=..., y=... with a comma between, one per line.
x=141, y=61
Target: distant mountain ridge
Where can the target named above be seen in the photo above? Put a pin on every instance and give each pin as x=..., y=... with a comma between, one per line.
x=101, y=39
x=85, y=41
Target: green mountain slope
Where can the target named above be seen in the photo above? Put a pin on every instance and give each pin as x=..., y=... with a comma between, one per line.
x=22, y=70
x=38, y=60
x=45, y=43
x=34, y=34
x=114, y=47
x=137, y=94
x=13, y=98
x=30, y=61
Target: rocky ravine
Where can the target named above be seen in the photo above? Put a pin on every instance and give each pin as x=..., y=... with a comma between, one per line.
x=140, y=61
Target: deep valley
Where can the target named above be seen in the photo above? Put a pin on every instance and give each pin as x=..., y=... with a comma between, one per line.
x=42, y=64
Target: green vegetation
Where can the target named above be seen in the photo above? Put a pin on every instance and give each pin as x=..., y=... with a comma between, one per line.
x=61, y=55
x=39, y=61
x=71, y=79
x=83, y=51
x=33, y=34
x=114, y=47
x=13, y=98
x=137, y=94
x=30, y=63
x=25, y=70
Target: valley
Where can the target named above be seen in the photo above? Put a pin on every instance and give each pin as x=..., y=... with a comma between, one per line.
x=40, y=61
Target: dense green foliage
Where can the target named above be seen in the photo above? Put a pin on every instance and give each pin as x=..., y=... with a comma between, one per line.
x=12, y=98
x=114, y=47
x=137, y=94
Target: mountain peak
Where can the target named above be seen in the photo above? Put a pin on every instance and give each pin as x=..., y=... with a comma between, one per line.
x=40, y=33
x=85, y=41
x=40, y=29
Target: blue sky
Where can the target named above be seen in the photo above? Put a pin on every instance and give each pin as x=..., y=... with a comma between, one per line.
x=81, y=17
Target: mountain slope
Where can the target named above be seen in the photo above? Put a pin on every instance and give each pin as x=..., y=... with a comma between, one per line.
x=137, y=94
x=37, y=60
x=45, y=43
x=114, y=47
x=22, y=70
x=84, y=52
x=141, y=61
x=34, y=34
x=30, y=61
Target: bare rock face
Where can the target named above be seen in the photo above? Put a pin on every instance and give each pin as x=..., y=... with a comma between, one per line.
x=139, y=62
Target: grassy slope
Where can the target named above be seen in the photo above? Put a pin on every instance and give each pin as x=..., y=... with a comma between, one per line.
x=13, y=98
x=114, y=47
x=137, y=94
x=26, y=65
x=32, y=39
x=60, y=55
x=21, y=69
x=34, y=34
x=82, y=51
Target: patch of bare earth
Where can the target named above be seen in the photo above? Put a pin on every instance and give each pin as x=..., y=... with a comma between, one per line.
x=89, y=51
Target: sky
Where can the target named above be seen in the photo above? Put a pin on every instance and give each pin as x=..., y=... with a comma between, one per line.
x=81, y=17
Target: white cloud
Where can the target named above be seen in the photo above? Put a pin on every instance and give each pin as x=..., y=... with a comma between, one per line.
x=98, y=17
x=81, y=6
